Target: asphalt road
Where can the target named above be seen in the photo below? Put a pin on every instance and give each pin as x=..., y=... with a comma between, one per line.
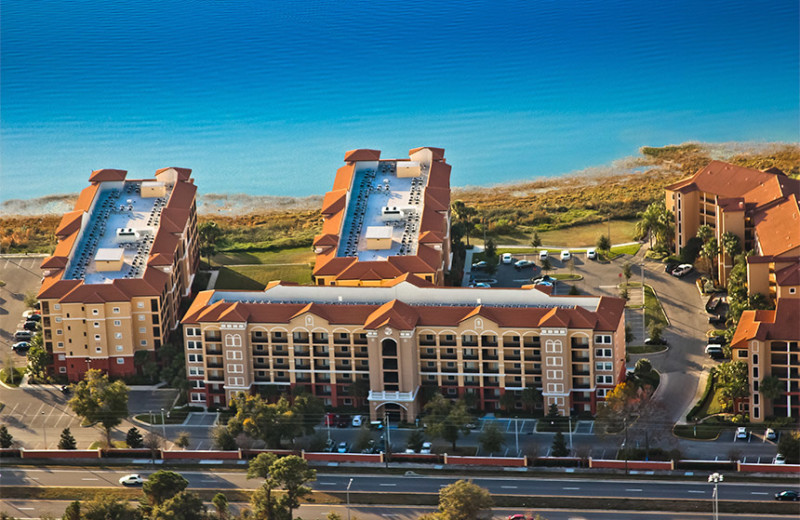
x=28, y=509
x=689, y=489
x=21, y=275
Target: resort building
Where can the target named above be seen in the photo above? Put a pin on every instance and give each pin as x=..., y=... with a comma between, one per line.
x=392, y=344
x=385, y=218
x=126, y=255
x=769, y=342
x=759, y=207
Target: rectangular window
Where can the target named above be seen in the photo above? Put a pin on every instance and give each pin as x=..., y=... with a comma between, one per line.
x=62, y=370
x=120, y=361
x=97, y=324
x=60, y=344
x=601, y=392
x=602, y=352
x=604, y=380
x=192, y=345
x=115, y=310
x=236, y=381
x=195, y=358
x=198, y=384
x=236, y=369
x=98, y=349
x=142, y=330
x=59, y=332
x=58, y=319
x=117, y=323
x=552, y=347
x=97, y=337
x=119, y=348
x=196, y=371
x=233, y=340
x=233, y=354
x=198, y=398
x=62, y=357
x=57, y=306
x=118, y=335
x=143, y=343
x=555, y=374
x=602, y=340
x=140, y=317
x=554, y=361
x=140, y=305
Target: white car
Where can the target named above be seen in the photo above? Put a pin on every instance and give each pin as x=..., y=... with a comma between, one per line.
x=780, y=458
x=507, y=258
x=591, y=254
x=131, y=480
x=426, y=447
x=741, y=432
x=770, y=434
x=565, y=255
x=357, y=420
x=682, y=270
x=343, y=447
x=410, y=451
x=521, y=264
x=543, y=254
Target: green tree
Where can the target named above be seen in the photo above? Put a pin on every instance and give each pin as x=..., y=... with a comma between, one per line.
x=531, y=398
x=447, y=420
x=38, y=359
x=6, y=440
x=554, y=417
x=656, y=331
x=183, y=440
x=536, y=241
x=163, y=485
x=710, y=251
x=415, y=440
x=491, y=439
x=209, y=234
x=220, y=502
x=704, y=233
x=73, y=511
x=559, y=448
x=363, y=439
x=30, y=299
x=547, y=266
x=771, y=387
x=619, y=406
x=627, y=271
x=731, y=244
x=273, y=422
x=98, y=400
x=106, y=507
x=648, y=223
x=264, y=502
x=67, y=441
x=292, y=474
x=463, y=500
x=464, y=215
x=490, y=249
x=789, y=447
x=221, y=438
x=604, y=243
x=182, y=506
x=133, y=438
x=508, y=400
x=733, y=381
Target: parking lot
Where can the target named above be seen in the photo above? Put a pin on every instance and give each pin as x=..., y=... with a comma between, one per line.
x=21, y=275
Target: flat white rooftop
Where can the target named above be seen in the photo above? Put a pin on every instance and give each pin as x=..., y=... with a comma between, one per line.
x=116, y=205
x=376, y=186
x=407, y=293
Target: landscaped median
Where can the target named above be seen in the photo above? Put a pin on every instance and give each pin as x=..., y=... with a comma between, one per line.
x=577, y=502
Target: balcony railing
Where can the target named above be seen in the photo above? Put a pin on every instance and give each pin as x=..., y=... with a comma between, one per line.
x=388, y=395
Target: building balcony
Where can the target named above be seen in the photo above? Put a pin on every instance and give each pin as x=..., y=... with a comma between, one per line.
x=577, y=358
x=513, y=371
x=213, y=352
x=393, y=396
x=214, y=364
x=339, y=354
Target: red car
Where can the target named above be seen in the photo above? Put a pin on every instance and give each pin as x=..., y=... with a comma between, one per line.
x=330, y=419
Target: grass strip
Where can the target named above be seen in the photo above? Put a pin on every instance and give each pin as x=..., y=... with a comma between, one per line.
x=369, y=498
x=646, y=349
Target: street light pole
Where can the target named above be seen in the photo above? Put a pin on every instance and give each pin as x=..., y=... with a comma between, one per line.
x=348, y=498
x=163, y=429
x=716, y=478
x=644, y=307
x=516, y=433
x=44, y=429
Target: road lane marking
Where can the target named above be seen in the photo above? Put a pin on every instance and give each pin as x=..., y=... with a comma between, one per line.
x=696, y=491
x=25, y=508
x=572, y=488
x=508, y=487
x=633, y=489
x=212, y=480
x=388, y=485
x=758, y=493
x=326, y=483
x=90, y=479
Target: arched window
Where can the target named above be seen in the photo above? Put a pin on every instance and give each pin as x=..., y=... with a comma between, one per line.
x=389, y=347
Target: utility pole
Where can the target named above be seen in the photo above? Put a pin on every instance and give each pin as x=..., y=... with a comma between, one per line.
x=644, y=307
x=570, y=434
x=516, y=433
x=625, y=425
x=163, y=429
x=348, y=498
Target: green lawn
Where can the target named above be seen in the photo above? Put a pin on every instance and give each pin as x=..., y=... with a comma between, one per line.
x=297, y=255
x=626, y=250
x=256, y=277
x=573, y=237
x=646, y=349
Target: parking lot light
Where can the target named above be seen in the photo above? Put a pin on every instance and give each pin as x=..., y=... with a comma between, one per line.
x=44, y=429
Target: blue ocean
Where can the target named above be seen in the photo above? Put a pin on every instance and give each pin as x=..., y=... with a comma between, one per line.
x=264, y=97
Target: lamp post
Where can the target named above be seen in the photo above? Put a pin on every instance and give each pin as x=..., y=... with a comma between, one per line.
x=163, y=429
x=516, y=433
x=644, y=307
x=716, y=478
x=44, y=429
x=348, y=498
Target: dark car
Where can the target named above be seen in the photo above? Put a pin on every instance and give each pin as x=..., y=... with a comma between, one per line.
x=786, y=495
x=670, y=266
x=342, y=421
x=651, y=341
x=64, y=389
x=31, y=325
x=22, y=346
x=716, y=340
x=34, y=317
x=717, y=320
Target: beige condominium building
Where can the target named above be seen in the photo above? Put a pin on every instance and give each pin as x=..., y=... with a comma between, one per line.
x=402, y=339
x=759, y=207
x=769, y=342
x=126, y=255
x=384, y=218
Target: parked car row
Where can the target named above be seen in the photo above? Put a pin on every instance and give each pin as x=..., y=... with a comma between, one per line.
x=508, y=258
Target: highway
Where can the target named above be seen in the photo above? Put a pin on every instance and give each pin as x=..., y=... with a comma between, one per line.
x=366, y=483
x=29, y=509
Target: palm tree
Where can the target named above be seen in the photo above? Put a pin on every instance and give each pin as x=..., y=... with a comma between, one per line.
x=648, y=223
x=704, y=233
x=710, y=251
x=464, y=214
x=771, y=387
x=731, y=244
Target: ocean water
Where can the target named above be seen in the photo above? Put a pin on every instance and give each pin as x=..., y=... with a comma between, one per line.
x=265, y=97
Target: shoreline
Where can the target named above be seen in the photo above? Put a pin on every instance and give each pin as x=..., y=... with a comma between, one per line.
x=240, y=204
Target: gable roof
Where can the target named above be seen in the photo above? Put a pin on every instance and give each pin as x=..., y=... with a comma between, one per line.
x=780, y=324
x=107, y=175
x=778, y=227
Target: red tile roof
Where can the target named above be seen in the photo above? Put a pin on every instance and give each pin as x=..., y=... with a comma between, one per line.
x=778, y=227
x=107, y=175
x=789, y=275
x=728, y=180
x=362, y=155
x=780, y=324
